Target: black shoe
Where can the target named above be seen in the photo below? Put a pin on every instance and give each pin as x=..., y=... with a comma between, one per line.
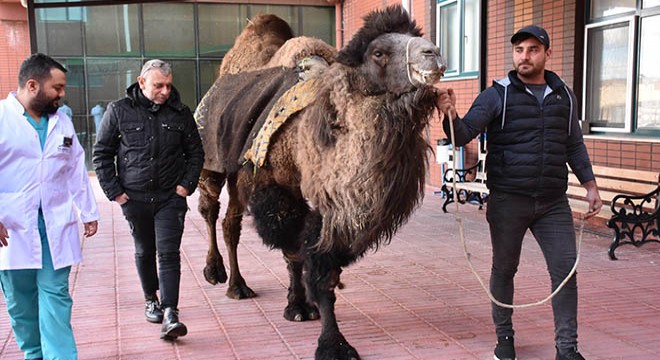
x=152, y=310
x=570, y=354
x=504, y=349
x=172, y=328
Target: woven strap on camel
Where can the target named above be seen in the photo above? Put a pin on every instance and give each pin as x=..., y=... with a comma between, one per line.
x=295, y=99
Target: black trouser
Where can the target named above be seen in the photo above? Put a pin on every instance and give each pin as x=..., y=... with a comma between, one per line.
x=551, y=223
x=157, y=228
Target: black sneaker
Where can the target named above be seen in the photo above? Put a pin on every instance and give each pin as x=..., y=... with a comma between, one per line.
x=570, y=354
x=152, y=311
x=504, y=349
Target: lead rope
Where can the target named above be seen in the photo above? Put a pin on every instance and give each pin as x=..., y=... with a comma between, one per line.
x=408, y=65
x=461, y=231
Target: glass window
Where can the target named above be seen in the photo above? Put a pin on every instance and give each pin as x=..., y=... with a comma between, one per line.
x=75, y=85
x=471, y=35
x=169, y=30
x=59, y=34
x=208, y=72
x=621, y=75
x=112, y=31
x=315, y=24
x=219, y=25
x=287, y=13
x=607, y=86
x=64, y=14
x=648, y=93
x=458, y=24
x=650, y=3
x=449, y=46
x=185, y=81
x=108, y=78
x=603, y=8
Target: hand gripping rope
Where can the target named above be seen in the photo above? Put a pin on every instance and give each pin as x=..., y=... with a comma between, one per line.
x=461, y=231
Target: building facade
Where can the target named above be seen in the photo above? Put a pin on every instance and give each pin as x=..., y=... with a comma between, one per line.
x=603, y=49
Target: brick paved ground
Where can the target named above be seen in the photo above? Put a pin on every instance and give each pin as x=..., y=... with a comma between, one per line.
x=413, y=299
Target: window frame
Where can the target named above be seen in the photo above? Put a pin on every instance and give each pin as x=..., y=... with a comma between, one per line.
x=635, y=19
x=460, y=73
x=630, y=70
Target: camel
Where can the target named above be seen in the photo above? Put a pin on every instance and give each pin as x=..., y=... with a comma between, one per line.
x=340, y=176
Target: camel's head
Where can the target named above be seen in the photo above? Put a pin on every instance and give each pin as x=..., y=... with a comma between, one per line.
x=390, y=55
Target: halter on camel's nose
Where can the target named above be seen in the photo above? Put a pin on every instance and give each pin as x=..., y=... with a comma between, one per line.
x=425, y=64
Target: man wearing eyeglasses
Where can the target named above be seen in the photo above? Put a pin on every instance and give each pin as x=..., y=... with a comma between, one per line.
x=148, y=157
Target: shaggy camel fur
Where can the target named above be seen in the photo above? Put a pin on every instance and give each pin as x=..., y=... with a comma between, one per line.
x=341, y=176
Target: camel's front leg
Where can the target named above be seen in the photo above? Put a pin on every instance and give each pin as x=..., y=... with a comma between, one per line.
x=231, y=227
x=210, y=185
x=324, y=278
x=321, y=278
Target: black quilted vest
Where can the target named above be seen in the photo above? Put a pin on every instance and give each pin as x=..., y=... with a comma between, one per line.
x=527, y=148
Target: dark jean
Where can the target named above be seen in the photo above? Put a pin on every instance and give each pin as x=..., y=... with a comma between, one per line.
x=157, y=229
x=551, y=223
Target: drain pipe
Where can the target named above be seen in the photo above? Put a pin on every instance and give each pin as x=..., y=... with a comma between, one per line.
x=340, y=10
x=339, y=22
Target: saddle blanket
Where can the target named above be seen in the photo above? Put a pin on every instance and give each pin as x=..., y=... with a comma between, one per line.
x=295, y=99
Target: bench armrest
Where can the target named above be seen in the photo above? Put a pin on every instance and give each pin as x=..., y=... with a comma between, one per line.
x=635, y=220
x=461, y=174
x=627, y=207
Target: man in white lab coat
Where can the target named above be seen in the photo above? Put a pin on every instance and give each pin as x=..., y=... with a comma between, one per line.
x=45, y=189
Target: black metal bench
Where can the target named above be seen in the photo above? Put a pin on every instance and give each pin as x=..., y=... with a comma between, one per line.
x=470, y=184
x=632, y=204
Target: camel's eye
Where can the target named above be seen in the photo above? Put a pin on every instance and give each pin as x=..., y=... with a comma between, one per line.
x=378, y=53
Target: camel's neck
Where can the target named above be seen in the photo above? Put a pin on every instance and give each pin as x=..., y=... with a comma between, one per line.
x=370, y=177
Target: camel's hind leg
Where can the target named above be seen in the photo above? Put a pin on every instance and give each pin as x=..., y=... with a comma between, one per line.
x=231, y=227
x=210, y=186
x=297, y=308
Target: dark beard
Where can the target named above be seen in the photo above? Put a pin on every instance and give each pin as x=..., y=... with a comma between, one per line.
x=43, y=104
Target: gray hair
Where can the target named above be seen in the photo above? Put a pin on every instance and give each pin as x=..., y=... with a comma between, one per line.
x=162, y=66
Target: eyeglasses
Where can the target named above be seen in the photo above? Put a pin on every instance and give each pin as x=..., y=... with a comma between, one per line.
x=161, y=65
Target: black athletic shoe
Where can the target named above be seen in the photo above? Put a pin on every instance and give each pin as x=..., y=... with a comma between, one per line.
x=152, y=311
x=505, y=349
x=571, y=354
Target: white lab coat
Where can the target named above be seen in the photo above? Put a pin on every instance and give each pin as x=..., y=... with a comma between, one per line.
x=56, y=178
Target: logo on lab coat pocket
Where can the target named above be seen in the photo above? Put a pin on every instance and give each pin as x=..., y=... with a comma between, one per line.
x=65, y=146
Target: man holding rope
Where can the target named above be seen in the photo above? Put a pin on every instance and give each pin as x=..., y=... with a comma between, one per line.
x=533, y=131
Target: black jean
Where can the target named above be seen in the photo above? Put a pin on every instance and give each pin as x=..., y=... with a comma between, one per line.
x=551, y=223
x=157, y=229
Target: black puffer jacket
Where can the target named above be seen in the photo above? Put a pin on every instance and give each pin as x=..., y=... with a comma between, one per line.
x=529, y=143
x=147, y=150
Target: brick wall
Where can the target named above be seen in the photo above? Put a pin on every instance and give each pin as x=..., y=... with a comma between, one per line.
x=355, y=10
x=14, y=46
x=623, y=153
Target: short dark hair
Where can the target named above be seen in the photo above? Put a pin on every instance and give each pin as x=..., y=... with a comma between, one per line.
x=37, y=67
